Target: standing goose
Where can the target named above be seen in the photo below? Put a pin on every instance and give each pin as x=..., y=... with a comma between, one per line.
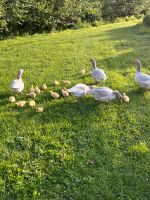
x=143, y=80
x=17, y=85
x=105, y=94
x=79, y=90
x=98, y=74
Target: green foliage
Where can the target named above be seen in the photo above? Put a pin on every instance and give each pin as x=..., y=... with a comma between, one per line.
x=146, y=20
x=19, y=16
x=44, y=15
x=122, y=8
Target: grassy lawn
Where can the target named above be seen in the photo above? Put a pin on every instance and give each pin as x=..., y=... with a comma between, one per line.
x=74, y=150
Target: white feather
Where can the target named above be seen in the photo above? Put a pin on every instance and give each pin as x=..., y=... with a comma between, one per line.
x=79, y=90
x=17, y=85
x=103, y=94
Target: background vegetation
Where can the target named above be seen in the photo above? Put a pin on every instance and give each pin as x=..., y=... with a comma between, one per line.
x=19, y=16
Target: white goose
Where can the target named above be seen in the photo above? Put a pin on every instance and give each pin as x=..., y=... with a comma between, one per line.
x=79, y=90
x=98, y=74
x=143, y=80
x=17, y=85
x=105, y=94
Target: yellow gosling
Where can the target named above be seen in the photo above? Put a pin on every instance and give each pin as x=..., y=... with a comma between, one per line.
x=32, y=103
x=32, y=88
x=37, y=90
x=32, y=94
x=39, y=109
x=82, y=71
x=56, y=83
x=125, y=98
x=44, y=87
x=64, y=92
x=12, y=99
x=21, y=103
x=66, y=82
x=55, y=95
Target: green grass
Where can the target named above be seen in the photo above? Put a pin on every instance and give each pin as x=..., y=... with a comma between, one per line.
x=74, y=150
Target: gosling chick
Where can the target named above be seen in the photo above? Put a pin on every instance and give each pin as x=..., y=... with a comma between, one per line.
x=32, y=103
x=32, y=88
x=66, y=82
x=44, y=87
x=125, y=98
x=64, y=92
x=37, y=90
x=56, y=83
x=21, y=104
x=12, y=99
x=82, y=71
x=55, y=95
x=32, y=94
x=39, y=109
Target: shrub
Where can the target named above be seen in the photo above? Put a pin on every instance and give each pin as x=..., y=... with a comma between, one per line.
x=146, y=20
x=20, y=16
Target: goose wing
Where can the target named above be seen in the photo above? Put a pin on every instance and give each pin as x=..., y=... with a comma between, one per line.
x=99, y=74
x=15, y=84
x=100, y=93
x=142, y=77
x=145, y=84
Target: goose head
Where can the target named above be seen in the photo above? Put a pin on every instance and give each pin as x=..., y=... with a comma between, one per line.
x=93, y=63
x=118, y=95
x=90, y=88
x=138, y=65
x=20, y=73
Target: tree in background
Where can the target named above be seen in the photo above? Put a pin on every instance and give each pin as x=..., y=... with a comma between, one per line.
x=122, y=8
x=19, y=16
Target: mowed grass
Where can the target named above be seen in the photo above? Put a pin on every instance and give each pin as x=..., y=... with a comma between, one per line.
x=76, y=150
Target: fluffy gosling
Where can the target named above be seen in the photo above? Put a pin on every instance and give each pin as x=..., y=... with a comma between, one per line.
x=32, y=103
x=12, y=99
x=82, y=71
x=37, y=90
x=39, y=109
x=125, y=98
x=32, y=94
x=55, y=95
x=64, y=92
x=66, y=82
x=44, y=87
x=32, y=88
x=21, y=103
x=56, y=83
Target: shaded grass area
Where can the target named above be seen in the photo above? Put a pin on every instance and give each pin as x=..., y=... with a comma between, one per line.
x=76, y=150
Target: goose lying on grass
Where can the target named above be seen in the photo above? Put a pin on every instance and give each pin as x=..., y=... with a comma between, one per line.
x=143, y=80
x=98, y=74
x=79, y=90
x=17, y=85
x=105, y=94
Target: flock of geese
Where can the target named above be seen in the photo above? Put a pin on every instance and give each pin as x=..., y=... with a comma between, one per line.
x=103, y=94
